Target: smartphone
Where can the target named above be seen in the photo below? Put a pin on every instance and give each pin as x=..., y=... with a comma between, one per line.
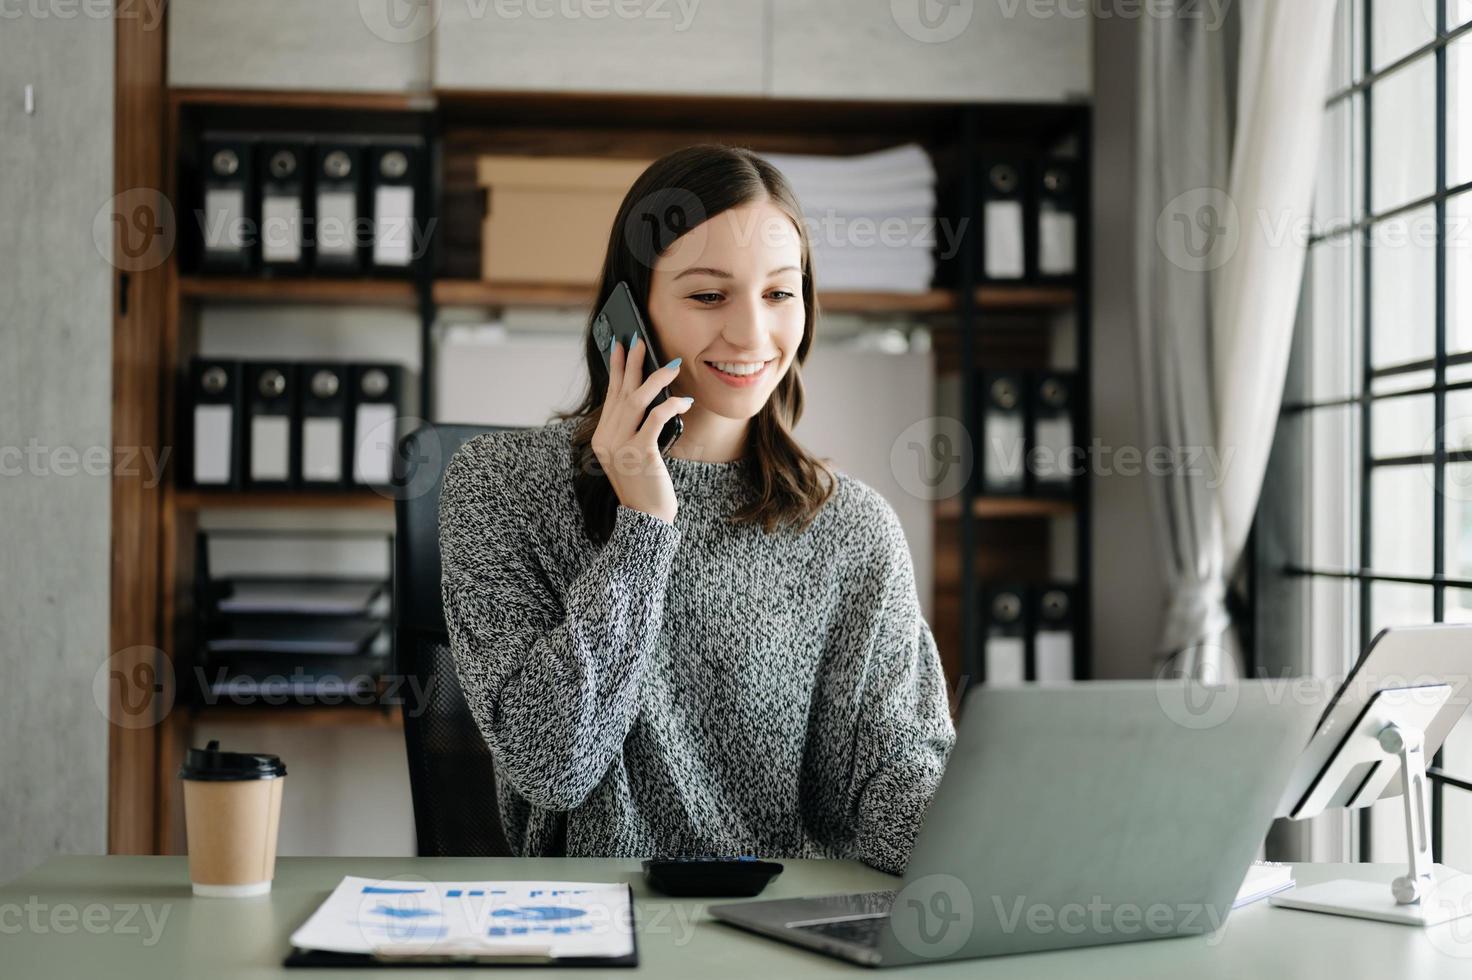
x=620, y=318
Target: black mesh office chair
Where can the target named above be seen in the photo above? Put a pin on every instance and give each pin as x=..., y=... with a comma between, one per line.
x=450, y=767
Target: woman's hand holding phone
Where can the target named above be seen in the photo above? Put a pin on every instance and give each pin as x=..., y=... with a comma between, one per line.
x=628, y=451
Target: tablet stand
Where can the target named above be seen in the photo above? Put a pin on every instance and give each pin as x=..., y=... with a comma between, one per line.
x=1392, y=725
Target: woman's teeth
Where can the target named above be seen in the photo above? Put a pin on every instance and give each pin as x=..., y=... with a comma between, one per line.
x=739, y=370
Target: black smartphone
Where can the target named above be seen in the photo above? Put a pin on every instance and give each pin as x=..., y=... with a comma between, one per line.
x=620, y=318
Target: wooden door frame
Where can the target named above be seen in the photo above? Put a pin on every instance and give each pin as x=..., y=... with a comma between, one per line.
x=140, y=678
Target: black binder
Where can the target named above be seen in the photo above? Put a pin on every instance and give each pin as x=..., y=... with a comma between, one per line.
x=322, y=424
x=1004, y=221
x=340, y=222
x=1056, y=236
x=284, y=182
x=270, y=431
x=377, y=409
x=1054, y=638
x=227, y=204
x=213, y=443
x=1003, y=434
x=1005, y=634
x=396, y=174
x=1054, y=459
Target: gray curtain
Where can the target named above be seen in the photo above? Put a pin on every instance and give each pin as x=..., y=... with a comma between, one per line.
x=1226, y=160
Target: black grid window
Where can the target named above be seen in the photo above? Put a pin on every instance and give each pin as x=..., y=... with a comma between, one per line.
x=1375, y=441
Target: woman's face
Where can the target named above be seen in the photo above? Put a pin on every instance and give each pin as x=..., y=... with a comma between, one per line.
x=729, y=292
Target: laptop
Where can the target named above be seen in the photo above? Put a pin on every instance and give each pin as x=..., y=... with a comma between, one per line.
x=1071, y=815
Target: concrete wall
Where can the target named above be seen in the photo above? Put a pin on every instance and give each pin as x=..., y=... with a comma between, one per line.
x=55, y=407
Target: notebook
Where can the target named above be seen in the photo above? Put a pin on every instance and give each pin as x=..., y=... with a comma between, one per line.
x=1264, y=878
x=410, y=922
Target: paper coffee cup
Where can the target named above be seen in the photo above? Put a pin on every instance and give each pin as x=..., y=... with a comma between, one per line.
x=232, y=808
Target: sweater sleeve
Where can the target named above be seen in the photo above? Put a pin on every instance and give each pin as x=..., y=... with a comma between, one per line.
x=884, y=728
x=553, y=681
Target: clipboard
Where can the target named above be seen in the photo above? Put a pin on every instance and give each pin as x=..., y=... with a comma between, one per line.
x=447, y=955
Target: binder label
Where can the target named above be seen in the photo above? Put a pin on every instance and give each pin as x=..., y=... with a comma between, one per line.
x=1002, y=231
x=212, y=435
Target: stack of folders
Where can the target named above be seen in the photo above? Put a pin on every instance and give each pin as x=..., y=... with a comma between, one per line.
x=283, y=425
x=298, y=203
x=1029, y=634
x=285, y=635
x=1028, y=434
x=870, y=217
x=1030, y=212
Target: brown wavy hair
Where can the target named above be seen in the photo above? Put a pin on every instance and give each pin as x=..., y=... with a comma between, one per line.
x=673, y=195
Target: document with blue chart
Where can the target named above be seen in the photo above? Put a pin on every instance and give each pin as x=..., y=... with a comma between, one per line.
x=553, y=920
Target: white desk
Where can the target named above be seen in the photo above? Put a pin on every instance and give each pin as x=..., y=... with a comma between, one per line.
x=66, y=919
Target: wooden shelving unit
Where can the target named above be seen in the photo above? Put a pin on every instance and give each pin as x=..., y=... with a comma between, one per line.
x=987, y=323
x=1006, y=508
x=345, y=715
x=193, y=501
x=342, y=292
x=471, y=292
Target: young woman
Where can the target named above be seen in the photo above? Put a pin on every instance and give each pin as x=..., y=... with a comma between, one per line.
x=715, y=652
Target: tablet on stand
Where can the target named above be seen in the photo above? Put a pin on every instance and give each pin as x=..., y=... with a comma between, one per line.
x=1393, y=711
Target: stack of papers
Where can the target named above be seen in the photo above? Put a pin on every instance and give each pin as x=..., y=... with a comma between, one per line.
x=408, y=918
x=870, y=217
x=1264, y=878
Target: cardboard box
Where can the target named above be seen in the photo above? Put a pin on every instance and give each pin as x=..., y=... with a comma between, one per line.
x=548, y=218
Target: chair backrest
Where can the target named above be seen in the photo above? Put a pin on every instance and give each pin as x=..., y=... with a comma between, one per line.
x=451, y=775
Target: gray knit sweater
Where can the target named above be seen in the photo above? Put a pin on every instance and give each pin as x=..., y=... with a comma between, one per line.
x=694, y=688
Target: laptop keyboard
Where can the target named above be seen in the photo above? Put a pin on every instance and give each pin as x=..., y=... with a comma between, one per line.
x=862, y=921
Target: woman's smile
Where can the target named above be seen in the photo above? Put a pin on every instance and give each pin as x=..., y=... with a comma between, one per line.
x=740, y=374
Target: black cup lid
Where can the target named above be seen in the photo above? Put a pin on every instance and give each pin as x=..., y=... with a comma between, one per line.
x=210, y=764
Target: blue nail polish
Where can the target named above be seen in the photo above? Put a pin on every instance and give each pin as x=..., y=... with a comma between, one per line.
x=675, y=362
